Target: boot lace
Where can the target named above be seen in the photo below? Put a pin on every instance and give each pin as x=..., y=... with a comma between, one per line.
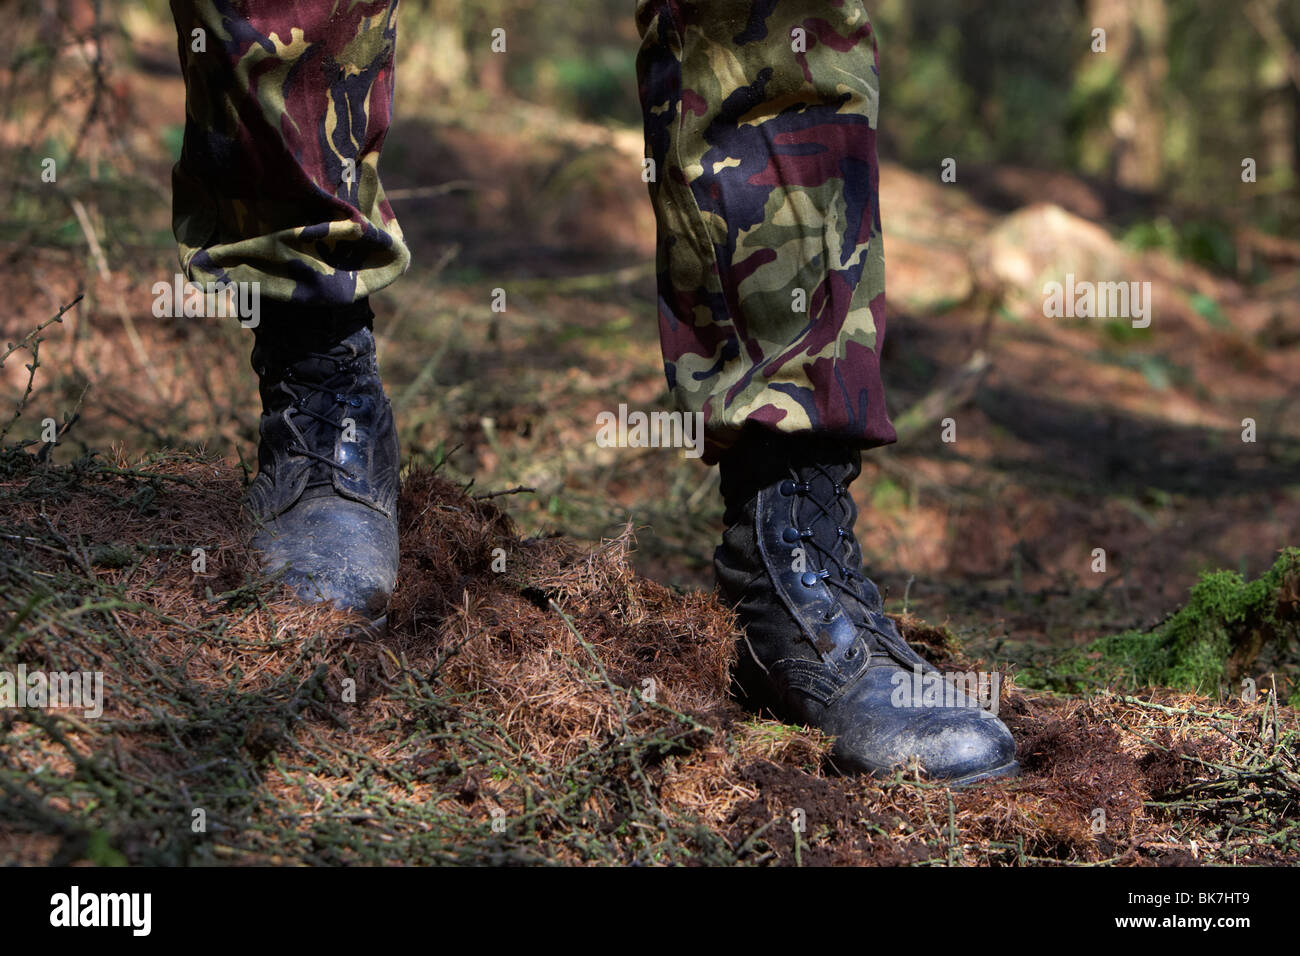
x=331, y=394
x=839, y=558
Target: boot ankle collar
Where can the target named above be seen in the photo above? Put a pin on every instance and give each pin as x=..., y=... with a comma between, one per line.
x=288, y=329
x=765, y=458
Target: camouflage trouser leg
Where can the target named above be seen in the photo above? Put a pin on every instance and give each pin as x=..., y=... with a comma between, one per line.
x=760, y=117
x=286, y=109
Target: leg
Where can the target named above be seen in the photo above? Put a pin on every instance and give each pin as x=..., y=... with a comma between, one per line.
x=760, y=116
x=287, y=106
x=771, y=269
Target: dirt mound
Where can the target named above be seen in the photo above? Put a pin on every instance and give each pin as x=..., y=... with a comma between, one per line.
x=534, y=702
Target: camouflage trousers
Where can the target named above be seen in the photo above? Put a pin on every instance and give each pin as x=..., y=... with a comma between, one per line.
x=760, y=120
x=286, y=110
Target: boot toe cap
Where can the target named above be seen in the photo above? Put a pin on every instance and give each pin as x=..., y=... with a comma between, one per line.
x=967, y=746
x=334, y=550
x=961, y=745
x=878, y=729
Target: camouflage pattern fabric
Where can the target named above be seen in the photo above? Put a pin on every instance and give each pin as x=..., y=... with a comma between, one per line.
x=760, y=117
x=286, y=109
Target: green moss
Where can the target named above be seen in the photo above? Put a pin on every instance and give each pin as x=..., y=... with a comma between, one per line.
x=1190, y=649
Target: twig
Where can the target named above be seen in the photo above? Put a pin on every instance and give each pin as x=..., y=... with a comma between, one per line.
x=1264, y=20
x=430, y=192
x=518, y=489
x=950, y=395
x=92, y=240
x=24, y=342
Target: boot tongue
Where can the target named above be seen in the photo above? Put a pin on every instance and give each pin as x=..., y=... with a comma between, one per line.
x=318, y=436
x=313, y=376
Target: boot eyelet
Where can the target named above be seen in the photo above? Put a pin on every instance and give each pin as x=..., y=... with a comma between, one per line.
x=790, y=535
x=852, y=653
x=786, y=488
x=828, y=616
x=809, y=579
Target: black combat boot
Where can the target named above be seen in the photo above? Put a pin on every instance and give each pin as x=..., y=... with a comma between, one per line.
x=324, y=502
x=818, y=648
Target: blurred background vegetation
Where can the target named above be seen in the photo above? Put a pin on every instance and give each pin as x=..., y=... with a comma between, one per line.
x=1183, y=81
x=1186, y=88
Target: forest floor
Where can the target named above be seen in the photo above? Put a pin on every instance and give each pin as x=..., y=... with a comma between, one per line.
x=506, y=717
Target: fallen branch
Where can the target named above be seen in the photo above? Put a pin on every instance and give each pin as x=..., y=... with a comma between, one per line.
x=948, y=397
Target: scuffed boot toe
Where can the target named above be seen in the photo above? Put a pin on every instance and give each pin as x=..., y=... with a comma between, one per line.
x=968, y=748
x=957, y=745
x=335, y=550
